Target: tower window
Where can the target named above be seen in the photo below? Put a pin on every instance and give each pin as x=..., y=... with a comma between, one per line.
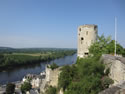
x=79, y=29
x=95, y=27
x=86, y=54
x=82, y=38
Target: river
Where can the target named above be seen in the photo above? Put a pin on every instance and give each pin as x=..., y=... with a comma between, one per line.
x=17, y=74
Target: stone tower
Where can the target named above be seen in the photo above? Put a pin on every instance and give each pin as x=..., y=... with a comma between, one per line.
x=87, y=34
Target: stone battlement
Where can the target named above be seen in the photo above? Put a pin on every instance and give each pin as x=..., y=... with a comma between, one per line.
x=88, y=25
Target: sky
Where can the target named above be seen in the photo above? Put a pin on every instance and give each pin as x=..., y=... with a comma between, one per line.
x=54, y=23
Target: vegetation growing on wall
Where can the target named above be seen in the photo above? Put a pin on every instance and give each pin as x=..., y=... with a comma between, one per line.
x=53, y=66
x=51, y=90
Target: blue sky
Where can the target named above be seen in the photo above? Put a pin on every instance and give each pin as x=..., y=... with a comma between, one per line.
x=54, y=23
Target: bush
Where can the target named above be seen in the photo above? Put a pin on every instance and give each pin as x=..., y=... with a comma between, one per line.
x=53, y=66
x=10, y=88
x=105, y=46
x=66, y=76
x=82, y=78
x=123, y=53
x=26, y=86
x=107, y=71
x=106, y=81
x=51, y=90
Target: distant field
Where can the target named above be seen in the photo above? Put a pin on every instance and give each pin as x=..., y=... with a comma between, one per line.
x=31, y=54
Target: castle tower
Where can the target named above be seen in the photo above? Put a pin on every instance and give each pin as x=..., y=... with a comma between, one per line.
x=87, y=34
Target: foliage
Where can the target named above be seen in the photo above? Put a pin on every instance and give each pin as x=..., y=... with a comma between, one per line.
x=123, y=53
x=85, y=77
x=26, y=86
x=53, y=66
x=106, y=81
x=66, y=76
x=100, y=46
x=10, y=88
x=87, y=85
x=105, y=46
x=51, y=90
x=107, y=71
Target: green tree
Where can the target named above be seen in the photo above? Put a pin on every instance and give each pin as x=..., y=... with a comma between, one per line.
x=10, y=88
x=65, y=77
x=100, y=46
x=105, y=46
x=26, y=86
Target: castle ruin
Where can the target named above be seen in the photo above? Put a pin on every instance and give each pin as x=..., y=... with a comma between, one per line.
x=87, y=34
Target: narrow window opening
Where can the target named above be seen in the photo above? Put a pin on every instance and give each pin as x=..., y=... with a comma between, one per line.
x=86, y=53
x=79, y=29
x=95, y=27
x=82, y=38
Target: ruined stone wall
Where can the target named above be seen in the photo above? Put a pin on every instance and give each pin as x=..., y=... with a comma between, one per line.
x=116, y=66
x=87, y=34
x=51, y=79
x=118, y=89
x=52, y=76
x=117, y=73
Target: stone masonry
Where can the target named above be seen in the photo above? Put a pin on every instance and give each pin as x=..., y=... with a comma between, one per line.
x=87, y=34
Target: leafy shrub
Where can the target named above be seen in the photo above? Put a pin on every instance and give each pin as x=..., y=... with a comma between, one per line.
x=106, y=81
x=53, y=66
x=65, y=77
x=123, y=53
x=26, y=86
x=107, y=71
x=51, y=90
x=10, y=88
x=82, y=78
x=105, y=46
